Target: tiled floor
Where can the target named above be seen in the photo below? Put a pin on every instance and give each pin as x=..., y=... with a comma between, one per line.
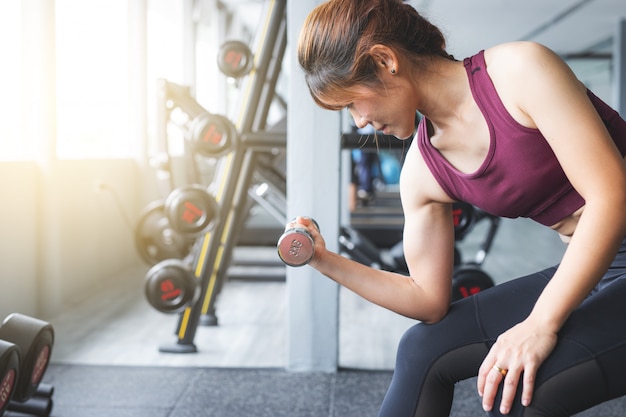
x=117, y=326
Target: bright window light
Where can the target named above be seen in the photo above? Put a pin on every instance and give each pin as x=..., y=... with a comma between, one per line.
x=12, y=145
x=92, y=56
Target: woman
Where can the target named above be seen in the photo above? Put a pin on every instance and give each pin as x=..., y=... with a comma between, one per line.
x=512, y=131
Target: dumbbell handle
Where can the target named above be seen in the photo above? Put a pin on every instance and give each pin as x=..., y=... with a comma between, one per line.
x=296, y=246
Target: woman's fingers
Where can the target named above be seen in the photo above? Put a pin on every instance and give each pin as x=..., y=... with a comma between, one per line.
x=509, y=389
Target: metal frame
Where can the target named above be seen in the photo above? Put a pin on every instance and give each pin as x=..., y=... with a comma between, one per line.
x=235, y=177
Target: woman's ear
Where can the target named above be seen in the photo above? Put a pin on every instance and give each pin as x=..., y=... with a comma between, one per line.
x=385, y=58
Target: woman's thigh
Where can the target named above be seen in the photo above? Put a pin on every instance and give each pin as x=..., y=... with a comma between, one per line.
x=432, y=358
x=587, y=366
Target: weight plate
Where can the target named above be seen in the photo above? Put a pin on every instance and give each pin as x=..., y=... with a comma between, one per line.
x=235, y=59
x=9, y=372
x=34, y=338
x=463, y=216
x=469, y=280
x=155, y=238
x=170, y=287
x=213, y=135
x=191, y=210
x=296, y=247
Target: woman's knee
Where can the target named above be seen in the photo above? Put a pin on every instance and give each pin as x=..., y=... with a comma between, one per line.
x=424, y=343
x=413, y=346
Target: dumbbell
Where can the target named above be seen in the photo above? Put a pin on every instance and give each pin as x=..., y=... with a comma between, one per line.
x=156, y=239
x=469, y=279
x=191, y=209
x=296, y=246
x=32, y=340
x=9, y=371
x=235, y=59
x=171, y=287
x=464, y=218
x=213, y=135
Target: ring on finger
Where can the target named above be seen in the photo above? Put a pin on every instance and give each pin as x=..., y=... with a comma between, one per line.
x=501, y=371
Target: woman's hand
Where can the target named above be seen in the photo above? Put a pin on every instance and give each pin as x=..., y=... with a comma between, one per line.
x=312, y=228
x=517, y=353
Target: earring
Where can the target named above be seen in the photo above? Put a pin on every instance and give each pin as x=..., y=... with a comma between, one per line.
x=393, y=70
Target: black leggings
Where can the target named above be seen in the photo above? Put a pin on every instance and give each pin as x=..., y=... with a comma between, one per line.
x=587, y=366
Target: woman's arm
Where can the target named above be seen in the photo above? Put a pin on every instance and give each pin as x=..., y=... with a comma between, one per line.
x=549, y=97
x=558, y=105
x=428, y=246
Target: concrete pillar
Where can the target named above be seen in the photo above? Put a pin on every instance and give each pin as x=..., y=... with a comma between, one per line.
x=313, y=182
x=619, y=68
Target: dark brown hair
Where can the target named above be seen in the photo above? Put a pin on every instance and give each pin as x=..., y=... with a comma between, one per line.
x=335, y=43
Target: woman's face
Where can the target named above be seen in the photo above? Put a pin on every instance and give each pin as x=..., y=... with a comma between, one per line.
x=391, y=110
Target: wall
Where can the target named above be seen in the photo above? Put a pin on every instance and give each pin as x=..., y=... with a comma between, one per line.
x=63, y=235
x=19, y=226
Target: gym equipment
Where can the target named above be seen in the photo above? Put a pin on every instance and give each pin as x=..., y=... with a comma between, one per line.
x=360, y=249
x=207, y=135
x=9, y=371
x=155, y=238
x=464, y=217
x=170, y=287
x=213, y=135
x=235, y=59
x=26, y=342
x=469, y=280
x=34, y=339
x=296, y=246
x=191, y=210
x=236, y=171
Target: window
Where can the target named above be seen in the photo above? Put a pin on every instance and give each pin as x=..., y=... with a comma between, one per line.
x=92, y=57
x=12, y=145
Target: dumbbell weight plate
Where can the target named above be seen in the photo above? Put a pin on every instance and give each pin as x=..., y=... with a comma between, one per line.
x=235, y=59
x=9, y=372
x=296, y=246
x=34, y=338
x=155, y=238
x=191, y=210
x=469, y=280
x=170, y=287
x=463, y=215
x=212, y=135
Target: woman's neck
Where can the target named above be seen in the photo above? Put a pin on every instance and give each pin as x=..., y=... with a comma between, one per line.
x=443, y=92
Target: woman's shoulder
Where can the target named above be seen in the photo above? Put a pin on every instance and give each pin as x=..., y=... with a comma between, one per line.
x=521, y=56
x=517, y=54
x=522, y=71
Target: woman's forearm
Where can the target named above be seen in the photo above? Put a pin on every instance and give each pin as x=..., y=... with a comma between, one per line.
x=598, y=235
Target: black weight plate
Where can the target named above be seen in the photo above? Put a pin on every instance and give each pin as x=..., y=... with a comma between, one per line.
x=170, y=287
x=468, y=280
x=191, y=210
x=235, y=59
x=9, y=373
x=35, y=339
x=155, y=238
x=212, y=135
x=464, y=218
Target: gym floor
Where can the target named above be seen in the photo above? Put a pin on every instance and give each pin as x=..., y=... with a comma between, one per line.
x=118, y=327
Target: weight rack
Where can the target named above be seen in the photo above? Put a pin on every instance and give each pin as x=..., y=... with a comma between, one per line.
x=240, y=170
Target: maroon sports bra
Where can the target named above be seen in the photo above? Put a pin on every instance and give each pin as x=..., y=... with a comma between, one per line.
x=520, y=177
